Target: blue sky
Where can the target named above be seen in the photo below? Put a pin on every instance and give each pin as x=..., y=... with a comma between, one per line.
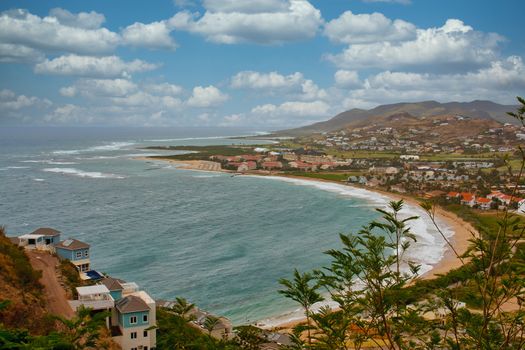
x=260, y=63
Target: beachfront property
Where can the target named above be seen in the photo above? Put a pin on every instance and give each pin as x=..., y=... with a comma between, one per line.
x=43, y=238
x=77, y=252
x=132, y=319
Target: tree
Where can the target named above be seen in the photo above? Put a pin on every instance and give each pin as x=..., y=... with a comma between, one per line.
x=210, y=323
x=183, y=309
x=301, y=290
x=84, y=329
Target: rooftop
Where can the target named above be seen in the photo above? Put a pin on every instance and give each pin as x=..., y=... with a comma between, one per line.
x=90, y=290
x=131, y=303
x=46, y=231
x=72, y=244
x=113, y=283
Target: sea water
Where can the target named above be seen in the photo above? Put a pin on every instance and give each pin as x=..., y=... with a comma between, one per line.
x=222, y=242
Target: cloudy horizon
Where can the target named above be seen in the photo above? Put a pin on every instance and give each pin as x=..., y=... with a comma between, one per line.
x=258, y=63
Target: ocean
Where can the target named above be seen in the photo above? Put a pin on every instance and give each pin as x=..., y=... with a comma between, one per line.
x=221, y=242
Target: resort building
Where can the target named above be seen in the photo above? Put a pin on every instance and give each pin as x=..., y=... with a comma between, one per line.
x=77, y=252
x=41, y=239
x=132, y=317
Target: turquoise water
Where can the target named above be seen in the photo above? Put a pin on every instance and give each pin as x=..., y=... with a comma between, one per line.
x=220, y=241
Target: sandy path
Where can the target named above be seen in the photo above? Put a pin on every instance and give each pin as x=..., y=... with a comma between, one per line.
x=54, y=293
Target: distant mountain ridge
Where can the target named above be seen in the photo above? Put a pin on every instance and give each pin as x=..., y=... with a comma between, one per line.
x=476, y=109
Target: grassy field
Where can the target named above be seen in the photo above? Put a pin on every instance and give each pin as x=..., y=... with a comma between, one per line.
x=203, y=152
x=325, y=176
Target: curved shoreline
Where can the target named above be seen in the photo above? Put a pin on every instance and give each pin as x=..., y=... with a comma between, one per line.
x=459, y=230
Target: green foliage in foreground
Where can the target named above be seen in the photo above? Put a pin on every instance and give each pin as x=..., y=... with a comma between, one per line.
x=369, y=280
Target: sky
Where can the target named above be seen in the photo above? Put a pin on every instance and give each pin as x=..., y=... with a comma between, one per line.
x=265, y=64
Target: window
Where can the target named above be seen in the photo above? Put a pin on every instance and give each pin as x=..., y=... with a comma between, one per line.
x=133, y=319
x=134, y=349
x=86, y=253
x=79, y=254
x=145, y=348
x=133, y=335
x=144, y=318
x=145, y=334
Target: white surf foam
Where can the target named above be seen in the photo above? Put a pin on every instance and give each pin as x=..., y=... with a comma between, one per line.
x=427, y=251
x=38, y=180
x=49, y=161
x=17, y=167
x=113, y=146
x=80, y=173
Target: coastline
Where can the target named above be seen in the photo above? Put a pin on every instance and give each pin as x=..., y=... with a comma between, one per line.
x=460, y=231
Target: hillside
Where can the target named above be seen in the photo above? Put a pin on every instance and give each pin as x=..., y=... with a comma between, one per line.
x=484, y=110
x=21, y=293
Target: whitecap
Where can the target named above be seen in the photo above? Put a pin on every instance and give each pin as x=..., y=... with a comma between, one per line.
x=113, y=146
x=81, y=173
x=17, y=167
x=38, y=180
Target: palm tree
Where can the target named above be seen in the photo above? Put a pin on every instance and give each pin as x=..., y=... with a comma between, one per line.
x=182, y=308
x=210, y=322
x=301, y=290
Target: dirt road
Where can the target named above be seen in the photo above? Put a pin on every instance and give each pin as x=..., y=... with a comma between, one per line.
x=54, y=293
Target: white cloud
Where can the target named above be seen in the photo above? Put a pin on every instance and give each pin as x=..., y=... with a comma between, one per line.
x=107, y=67
x=86, y=20
x=152, y=35
x=252, y=6
x=293, y=109
x=452, y=45
x=99, y=87
x=204, y=97
x=347, y=79
x=10, y=101
x=272, y=80
x=164, y=89
x=264, y=24
x=49, y=34
x=352, y=28
x=19, y=53
x=294, y=85
x=501, y=81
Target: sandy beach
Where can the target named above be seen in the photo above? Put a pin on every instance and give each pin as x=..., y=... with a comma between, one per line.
x=462, y=231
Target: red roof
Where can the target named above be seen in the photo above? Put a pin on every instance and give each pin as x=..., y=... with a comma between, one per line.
x=272, y=165
x=452, y=194
x=483, y=200
x=250, y=157
x=467, y=197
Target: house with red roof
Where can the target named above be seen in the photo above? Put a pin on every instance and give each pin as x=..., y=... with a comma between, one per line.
x=483, y=203
x=468, y=199
x=272, y=165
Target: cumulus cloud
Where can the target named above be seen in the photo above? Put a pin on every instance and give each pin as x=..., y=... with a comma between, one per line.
x=99, y=87
x=89, y=66
x=86, y=20
x=272, y=80
x=20, y=27
x=152, y=35
x=205, y=97
x=347, y=79
x=164, y=89
x=452, y=45
x=253, y=6
x=11, y=101
x=266, y=22
x=497, y=82
x=294, y=84
x=293, y=109
x=352, y=28
x=19, y=53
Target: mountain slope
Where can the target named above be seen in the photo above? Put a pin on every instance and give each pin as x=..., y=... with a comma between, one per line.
x=474, y=109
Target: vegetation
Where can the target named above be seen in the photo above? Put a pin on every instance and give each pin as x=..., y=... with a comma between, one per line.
x=203, y=152
x=369, y=280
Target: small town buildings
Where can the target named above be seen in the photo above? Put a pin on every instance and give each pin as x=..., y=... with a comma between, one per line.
x=483, y=203
x=132, y=319
x=272, y=165
x=468, y=199
x=77, y=252
x=42, y=239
